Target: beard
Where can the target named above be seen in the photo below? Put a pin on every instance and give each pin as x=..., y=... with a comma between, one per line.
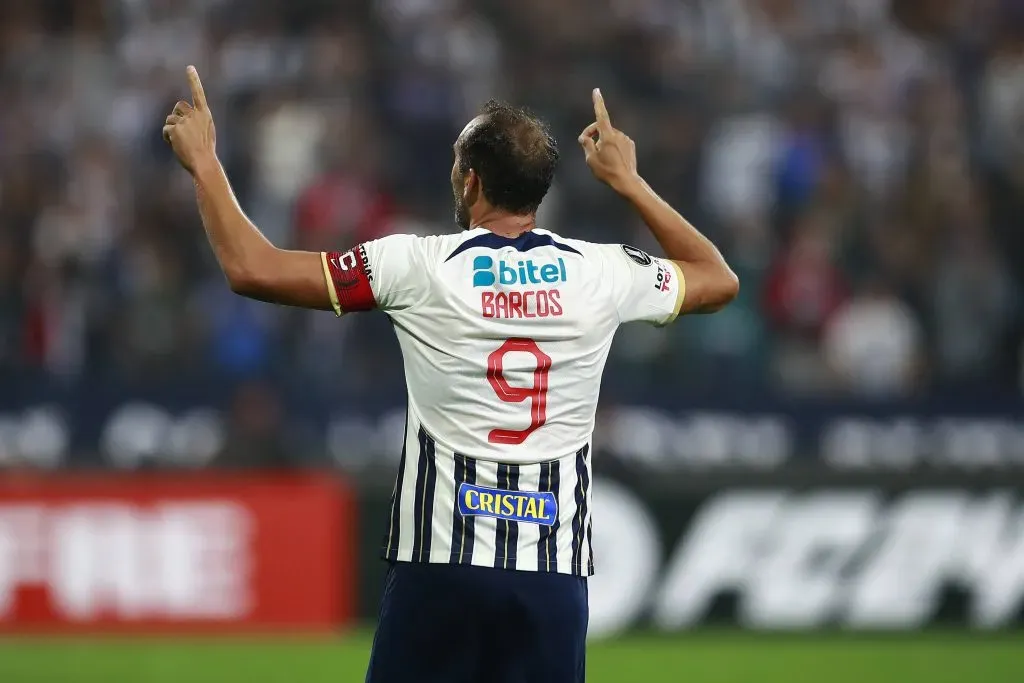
x=461, y=213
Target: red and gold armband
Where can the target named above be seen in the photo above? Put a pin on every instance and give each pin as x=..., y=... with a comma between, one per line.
x=349, y=280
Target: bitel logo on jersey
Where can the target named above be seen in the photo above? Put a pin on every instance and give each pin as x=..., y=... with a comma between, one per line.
x=521, y=272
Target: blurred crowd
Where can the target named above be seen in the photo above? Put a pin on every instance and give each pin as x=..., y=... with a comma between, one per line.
x=860, y=162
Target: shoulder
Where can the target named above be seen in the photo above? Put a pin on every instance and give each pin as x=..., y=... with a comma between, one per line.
x=613, y=254
x=406, y=245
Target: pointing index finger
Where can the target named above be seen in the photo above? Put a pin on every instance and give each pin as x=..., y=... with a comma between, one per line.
x=604, y=122
x=198, y=96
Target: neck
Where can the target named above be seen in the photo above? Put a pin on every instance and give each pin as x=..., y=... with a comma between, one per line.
x=506, y=225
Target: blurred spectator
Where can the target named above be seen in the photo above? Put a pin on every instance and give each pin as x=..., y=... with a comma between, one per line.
x=240, y=330
x=1002, y=100
x=804, y=288
x=873, y=344
x=805, y=285
x=974, y=308
x=256, y=434
x=153, y=324
x=343, y=206
x=12, y=308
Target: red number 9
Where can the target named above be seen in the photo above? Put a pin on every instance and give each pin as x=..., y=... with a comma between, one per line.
x=538, y=393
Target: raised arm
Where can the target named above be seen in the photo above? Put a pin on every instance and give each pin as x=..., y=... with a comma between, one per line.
x=253, y=266
x=611, y=155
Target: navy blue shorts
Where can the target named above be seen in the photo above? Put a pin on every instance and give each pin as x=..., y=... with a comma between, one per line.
x=444, y=623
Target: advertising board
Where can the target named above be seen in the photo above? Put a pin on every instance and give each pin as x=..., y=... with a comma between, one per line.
x=142, y=553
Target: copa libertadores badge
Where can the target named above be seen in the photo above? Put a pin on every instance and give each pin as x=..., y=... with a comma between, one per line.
x=639, y=256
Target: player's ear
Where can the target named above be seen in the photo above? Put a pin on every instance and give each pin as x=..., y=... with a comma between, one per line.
x=472, y=188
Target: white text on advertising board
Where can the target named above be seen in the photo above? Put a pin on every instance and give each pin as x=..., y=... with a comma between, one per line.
x=173, y=560
x=849, y=558
x=803, y=561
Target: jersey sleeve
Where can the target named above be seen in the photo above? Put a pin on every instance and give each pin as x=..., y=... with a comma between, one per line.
x=379, y=274
x=644, y=288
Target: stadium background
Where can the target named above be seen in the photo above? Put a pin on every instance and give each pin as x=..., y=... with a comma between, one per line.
x=840, y=453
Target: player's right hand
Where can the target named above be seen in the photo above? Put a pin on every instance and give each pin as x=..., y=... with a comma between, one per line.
x=611, y=154
x=189, y=129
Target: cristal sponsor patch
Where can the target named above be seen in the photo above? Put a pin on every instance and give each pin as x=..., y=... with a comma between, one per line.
x=530, y=507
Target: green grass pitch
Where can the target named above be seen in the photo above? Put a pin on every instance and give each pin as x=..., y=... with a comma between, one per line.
x=704, y=657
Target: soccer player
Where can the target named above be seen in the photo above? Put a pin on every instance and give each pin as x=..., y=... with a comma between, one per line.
x=504, y=330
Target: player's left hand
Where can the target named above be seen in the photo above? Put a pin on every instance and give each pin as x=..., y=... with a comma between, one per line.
x=189, y=129
x=611, y=154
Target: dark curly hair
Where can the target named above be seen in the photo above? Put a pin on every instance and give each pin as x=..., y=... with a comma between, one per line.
x=515, y=155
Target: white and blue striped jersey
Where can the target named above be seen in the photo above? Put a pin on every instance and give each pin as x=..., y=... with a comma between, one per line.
x=504, y=341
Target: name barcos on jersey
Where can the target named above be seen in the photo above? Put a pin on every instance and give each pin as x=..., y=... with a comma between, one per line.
x=519, y=303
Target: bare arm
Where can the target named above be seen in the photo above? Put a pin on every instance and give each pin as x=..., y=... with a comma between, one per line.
x=253, y=266
x=710, y=282
x=611, y=155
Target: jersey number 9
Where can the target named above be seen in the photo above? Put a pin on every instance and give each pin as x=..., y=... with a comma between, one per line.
x=537, y=394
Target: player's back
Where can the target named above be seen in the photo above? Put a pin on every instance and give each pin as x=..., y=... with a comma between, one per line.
x=504, y=353
x=504, y=341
